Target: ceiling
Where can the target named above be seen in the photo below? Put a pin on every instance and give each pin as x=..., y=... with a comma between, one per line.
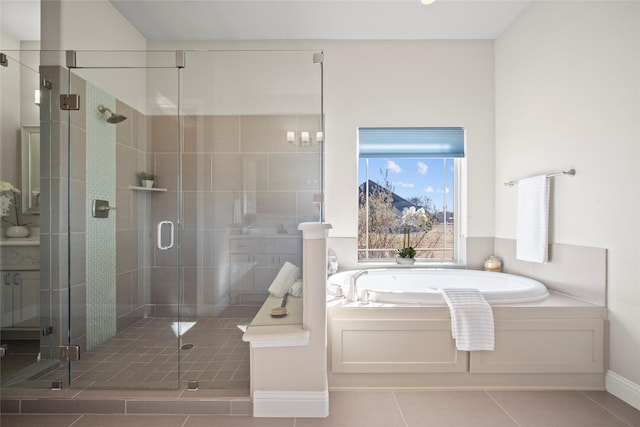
x=163, y=20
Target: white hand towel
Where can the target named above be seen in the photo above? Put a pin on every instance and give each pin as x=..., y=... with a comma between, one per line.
x=532, y=234
x=471, y=319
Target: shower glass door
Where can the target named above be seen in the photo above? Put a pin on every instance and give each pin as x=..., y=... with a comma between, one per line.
x=124, y=291
x=251, y=172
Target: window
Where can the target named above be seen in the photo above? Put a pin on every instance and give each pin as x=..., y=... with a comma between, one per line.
x=401, y=168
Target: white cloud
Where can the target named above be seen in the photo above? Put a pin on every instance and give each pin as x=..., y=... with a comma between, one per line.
x=422, y=168
x=446, y=190
x=404, y=184
x=393, y=166
x=429, y=189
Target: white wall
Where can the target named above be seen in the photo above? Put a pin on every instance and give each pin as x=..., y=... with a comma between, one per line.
x=568, y=96
x=90, y=27
x=408, y=83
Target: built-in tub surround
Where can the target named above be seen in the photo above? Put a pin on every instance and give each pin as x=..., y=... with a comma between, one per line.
x=559, y=339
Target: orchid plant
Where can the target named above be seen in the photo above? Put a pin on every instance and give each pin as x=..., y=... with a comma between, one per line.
x=412, y=219
x=8, y=196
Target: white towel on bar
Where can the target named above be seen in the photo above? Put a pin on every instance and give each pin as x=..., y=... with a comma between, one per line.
x=532, y=232
x=471, y=319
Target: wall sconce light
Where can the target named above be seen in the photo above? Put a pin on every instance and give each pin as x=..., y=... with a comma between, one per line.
x=291, y=138
x=305, y=139
x=36, y=97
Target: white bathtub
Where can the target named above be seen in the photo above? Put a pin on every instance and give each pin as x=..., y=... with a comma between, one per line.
x=421, y=285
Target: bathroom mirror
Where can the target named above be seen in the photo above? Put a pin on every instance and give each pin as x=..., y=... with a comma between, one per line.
x=30, y=170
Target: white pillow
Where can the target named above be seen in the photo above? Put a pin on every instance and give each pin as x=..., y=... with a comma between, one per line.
x=284, y=280
x=296, y=289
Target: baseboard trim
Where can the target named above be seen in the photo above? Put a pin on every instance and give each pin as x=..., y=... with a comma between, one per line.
x=623, y=388
x=300, y=404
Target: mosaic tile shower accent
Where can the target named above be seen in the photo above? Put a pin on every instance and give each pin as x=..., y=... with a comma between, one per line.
x=101, y=232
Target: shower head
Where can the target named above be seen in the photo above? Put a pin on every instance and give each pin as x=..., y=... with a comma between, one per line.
x=112, y=117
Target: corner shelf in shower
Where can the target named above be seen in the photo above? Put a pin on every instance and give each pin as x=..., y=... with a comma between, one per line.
x=133, y=187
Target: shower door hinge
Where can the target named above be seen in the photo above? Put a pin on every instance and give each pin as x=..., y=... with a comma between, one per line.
x=68, y=353
x=3, y=60
x=47, y=331
x=318, y=58
x=69, y=102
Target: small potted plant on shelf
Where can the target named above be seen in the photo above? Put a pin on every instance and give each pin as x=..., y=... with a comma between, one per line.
x=147, y=179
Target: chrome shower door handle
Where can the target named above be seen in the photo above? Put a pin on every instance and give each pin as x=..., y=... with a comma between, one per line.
x=159, y=233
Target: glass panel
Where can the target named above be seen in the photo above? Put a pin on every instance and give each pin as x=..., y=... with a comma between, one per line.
x=24, y=297
x=251, y=167
x=124, y=277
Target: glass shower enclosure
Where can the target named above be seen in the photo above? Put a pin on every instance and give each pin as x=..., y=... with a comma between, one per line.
x=150, y=284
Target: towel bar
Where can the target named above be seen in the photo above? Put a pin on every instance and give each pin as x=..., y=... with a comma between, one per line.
x=570, y=172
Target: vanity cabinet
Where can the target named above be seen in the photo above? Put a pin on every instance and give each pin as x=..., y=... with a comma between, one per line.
x=20, y=298
x=20, y=282
x=254, y=262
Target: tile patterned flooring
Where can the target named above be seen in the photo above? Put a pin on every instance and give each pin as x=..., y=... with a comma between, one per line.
x=145, y=356
x=396, y=409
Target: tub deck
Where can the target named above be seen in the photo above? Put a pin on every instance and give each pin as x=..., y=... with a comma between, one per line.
x=554, y=343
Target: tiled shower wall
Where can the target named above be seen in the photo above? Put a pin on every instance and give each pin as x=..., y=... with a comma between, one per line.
x=244, y=160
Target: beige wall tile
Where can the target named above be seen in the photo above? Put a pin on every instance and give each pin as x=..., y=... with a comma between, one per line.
x=125, y=208
x=276, y=202
x=229, y=171
x=126, y=166
x=164, y=134
x=78, y=153
x=78, y=257
x=166, y=169
x=208, y=134
x=262, y=134
x=294, y=172
x=196, y=172
x=127, y=251
x=123, y=294
x=224, y=131
x=124, y=130
x=79, y=205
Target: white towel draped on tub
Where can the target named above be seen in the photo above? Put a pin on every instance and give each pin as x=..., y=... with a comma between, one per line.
x=471, y=319
x=532, y=232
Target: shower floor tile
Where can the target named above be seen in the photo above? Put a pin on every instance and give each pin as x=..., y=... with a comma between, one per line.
x=147, y=354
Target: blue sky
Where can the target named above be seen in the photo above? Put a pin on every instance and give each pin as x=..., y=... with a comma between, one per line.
x=413, y=177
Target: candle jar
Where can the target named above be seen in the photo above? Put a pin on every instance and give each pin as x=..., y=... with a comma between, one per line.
x=493, y=263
